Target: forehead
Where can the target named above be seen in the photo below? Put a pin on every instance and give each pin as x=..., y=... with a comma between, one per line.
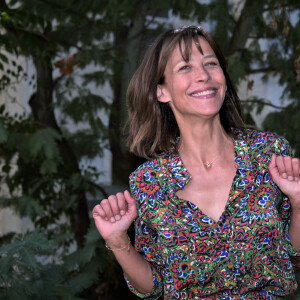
x=185, y=50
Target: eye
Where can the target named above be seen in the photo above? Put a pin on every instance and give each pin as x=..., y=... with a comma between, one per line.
x=185, y=67
x=211, y=63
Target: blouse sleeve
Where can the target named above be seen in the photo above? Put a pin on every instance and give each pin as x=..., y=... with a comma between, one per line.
x=285, y=213
x=145, y=188
x=282, y=147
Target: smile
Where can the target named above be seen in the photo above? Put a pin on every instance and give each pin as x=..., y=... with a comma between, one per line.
x=204, y=93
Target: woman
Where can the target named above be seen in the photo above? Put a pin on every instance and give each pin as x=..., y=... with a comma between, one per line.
x=217, y=206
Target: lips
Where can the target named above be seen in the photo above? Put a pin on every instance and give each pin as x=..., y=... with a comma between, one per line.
x=204, y=92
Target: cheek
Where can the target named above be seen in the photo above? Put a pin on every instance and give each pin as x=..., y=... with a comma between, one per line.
x=223, y=84
x=176, y=88
x=222, y=79
x=219, y=76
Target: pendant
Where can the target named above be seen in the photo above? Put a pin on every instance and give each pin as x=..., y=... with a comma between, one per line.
x=207, y=165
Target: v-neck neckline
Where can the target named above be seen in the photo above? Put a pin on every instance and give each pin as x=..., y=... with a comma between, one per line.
x=241, y=161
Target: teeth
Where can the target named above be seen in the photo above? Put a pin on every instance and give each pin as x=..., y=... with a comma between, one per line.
x=204, y=93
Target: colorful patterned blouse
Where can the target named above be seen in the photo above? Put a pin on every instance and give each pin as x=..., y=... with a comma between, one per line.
x=246, y=254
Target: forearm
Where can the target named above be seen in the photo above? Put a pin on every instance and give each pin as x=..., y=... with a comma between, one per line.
x=113, y=216
x=294, y=229
x=137, y=270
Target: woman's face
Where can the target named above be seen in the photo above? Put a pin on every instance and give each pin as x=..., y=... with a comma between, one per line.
x=193, y=88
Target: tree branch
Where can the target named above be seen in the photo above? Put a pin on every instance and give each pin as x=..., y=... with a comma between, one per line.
x=290, y=6
x=265, y=103
x=33, y=33
x=243, y=26
x=98, y=187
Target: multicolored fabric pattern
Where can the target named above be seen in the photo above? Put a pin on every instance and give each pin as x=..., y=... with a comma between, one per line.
x=246, y=254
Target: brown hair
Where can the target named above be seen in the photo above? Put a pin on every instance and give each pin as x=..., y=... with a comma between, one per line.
x=152, y=125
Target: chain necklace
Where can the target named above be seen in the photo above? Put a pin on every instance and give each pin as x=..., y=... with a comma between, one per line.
x=208, y=165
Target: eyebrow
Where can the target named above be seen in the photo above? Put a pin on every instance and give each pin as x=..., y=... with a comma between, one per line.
x=210, y=56
x=205, y=57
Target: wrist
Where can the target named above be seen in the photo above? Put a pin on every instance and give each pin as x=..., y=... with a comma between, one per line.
x=295, y=215
x=118, y=243
x=295, y=205
x=295, y=212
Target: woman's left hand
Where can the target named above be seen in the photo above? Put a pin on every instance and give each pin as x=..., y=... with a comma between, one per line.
x=285, y=173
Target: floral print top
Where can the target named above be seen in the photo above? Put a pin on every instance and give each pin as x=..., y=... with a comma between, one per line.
x=246, y=254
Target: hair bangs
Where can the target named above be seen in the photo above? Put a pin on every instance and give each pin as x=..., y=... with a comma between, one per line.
x=152, y=125
x=186, y=40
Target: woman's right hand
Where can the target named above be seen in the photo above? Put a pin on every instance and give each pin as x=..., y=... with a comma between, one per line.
x=114, y=215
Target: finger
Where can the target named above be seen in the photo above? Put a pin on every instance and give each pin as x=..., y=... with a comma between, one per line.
x=106, y=206
x=121, y=203
x=272, y=164
x=113, y=201
x=280, y=166
x=99, y=212
x=296, y=168
x=287, y=161
x=273, y=168
x=130, y=200
x=131, y=203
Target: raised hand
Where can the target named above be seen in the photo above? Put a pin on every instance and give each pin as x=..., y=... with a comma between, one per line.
x=114, y=215
x=285, y=173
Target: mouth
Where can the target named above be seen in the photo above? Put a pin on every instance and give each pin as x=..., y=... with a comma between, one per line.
x=204, y=93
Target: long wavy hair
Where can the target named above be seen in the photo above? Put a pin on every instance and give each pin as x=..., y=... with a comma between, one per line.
x=152, y=125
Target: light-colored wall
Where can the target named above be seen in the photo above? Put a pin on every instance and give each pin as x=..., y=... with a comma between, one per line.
x=11, y=222
x=270, y=91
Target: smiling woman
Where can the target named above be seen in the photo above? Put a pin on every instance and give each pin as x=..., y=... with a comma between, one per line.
x=217, y=206
x=195, y=88
x=152, y=125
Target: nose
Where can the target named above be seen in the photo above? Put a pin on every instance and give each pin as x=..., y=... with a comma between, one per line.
x=202, y=74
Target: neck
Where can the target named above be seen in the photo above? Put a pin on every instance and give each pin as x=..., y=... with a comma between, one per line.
x=203, y=144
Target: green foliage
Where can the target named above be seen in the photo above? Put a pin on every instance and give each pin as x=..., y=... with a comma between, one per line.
x=236, y=68
x=286, y=123
x=76, y=47
x=263, y=39
x=33, y=268
x=18, y=260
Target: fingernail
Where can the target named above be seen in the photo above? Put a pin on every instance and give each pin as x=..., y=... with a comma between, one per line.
x=106, y=218
x=290, y=178
x=117, y=217
x=122, y=212
x=284, y=175
x=112, y=219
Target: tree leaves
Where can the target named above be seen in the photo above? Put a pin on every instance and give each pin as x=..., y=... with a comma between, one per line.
x=43, y=167
x=44, y=142
x=286, y=123
x=19, y=257
x=3, y=132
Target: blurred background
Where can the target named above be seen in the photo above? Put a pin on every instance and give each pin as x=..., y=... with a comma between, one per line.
x=64, y=69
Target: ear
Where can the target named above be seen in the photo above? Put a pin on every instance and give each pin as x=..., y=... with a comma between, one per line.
x=161, y=94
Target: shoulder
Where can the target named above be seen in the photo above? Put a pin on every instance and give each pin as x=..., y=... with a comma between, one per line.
x=146, y=181
x=149, y=171
x=265, y=141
